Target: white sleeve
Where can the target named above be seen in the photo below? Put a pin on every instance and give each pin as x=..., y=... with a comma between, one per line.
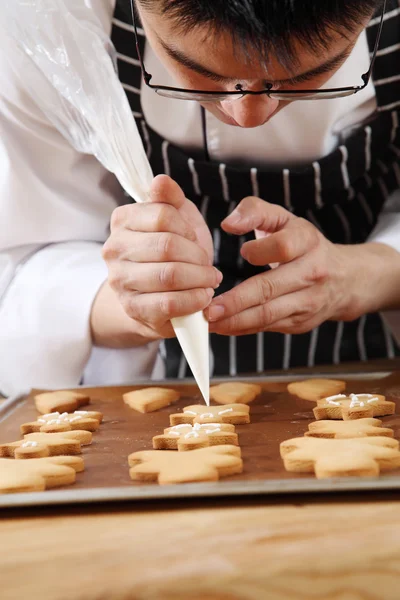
x=387, y=229
x=55, y=209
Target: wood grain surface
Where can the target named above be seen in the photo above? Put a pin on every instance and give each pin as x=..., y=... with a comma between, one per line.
x=306, y=548
x=346, y=549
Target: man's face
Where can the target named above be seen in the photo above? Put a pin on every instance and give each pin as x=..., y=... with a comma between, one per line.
x=201, y=60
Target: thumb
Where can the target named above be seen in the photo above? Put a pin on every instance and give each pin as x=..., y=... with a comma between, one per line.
x=256, y=214
x=166, y=191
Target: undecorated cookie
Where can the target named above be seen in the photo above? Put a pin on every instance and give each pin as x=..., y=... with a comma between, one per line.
x=315, y=389
x=361, y=457
x=191, y=437
x=235, y=392
x=348, y=429
x=355, y=406
x=167, y=467
x=150, y=399
x=38, y=474
x=60, y=401
x=236, y=414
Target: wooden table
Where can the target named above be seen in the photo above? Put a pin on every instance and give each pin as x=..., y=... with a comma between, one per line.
x=289, y=548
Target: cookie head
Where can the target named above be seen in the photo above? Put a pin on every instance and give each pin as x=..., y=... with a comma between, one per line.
x=316, y=389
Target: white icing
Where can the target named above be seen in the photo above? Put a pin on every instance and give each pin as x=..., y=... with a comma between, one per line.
x=356, y=402
x=42, y=420
x=191, y=434
x=332, y=402
x=81, y=412
x=54, y=421
x=335, y=397
x=227, y=410
x=373, y=400
x=190, y=412
x=29, y=445
x=78, y=418
x=206, y=416
x=195, y=430
x=51, y=415
x=207, y=427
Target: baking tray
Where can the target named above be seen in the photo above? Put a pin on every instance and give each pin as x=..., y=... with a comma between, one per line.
x=275, y=416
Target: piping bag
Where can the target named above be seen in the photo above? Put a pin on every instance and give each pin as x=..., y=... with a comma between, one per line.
x=68, y=65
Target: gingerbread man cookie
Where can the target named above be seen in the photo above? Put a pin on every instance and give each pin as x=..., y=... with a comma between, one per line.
x=150, y=399
x=348, y=429
x=190, y=437
x=355, y=406
x=205, y=464
x=362, y=457
x=235, y=392
x=38, y=474
x=59, y=422
x=60, y=401
x=316, y=389
x=235, y=414
x=37, y=445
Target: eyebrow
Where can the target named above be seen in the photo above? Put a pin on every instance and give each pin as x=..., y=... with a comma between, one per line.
x=191, y=64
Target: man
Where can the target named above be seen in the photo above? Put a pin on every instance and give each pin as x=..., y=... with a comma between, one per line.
x=269, y=116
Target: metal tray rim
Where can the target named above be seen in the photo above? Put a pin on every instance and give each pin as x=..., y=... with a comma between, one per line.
x=204, y=490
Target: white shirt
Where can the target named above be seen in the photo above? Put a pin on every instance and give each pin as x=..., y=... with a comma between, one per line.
x=57, y=203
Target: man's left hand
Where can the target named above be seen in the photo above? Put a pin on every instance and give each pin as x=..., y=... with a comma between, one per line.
x=315, y=280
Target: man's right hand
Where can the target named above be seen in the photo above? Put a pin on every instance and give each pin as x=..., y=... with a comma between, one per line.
x=159, y=256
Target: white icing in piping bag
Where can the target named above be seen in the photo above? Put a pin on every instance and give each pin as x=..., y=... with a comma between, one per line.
x=60, y=48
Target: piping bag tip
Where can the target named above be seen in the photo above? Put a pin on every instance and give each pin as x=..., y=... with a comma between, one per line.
x=192, y=334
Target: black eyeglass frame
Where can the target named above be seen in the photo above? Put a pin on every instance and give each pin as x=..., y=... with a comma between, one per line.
x=147, y=77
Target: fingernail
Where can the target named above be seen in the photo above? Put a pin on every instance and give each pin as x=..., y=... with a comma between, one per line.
x=234, y=217
x=210, y=292
x=219, y=276
x=216, y=312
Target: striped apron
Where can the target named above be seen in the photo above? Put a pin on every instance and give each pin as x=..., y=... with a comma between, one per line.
x=342, y=194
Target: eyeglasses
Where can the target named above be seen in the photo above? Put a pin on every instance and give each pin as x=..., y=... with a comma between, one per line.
x=239, y=92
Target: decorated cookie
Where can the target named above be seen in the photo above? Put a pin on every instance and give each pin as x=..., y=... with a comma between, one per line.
x=362, y=457
x=38, y=474
x=316, y=389
x=205, y=464
x=348, y=429
x=235, y=392
x=60, y=401
x=37, y=445
x=150, y=399
x=236, y=414
x=191, y=437
x=56, y=422
x=355, y=406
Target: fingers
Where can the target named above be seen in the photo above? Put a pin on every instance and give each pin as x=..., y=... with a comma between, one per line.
x=153, y=247
x=166, y=276
x=293, y=313
x=259, y=290
x=151, y=218
x=155, y=309
x=166, y=191
x=253, y=213
x=297, y=238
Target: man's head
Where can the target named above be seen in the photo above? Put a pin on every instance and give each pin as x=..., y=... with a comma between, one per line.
x=215, y=44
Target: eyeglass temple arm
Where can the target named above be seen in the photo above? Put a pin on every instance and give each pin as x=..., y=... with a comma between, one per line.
x=367, y=75
x=146, y=75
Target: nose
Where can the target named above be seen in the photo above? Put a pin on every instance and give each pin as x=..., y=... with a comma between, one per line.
x=251, y=111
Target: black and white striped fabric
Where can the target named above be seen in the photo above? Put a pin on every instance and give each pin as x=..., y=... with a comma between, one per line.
x=342, y=194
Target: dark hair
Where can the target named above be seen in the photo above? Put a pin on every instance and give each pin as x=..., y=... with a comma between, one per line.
x=269, y=26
